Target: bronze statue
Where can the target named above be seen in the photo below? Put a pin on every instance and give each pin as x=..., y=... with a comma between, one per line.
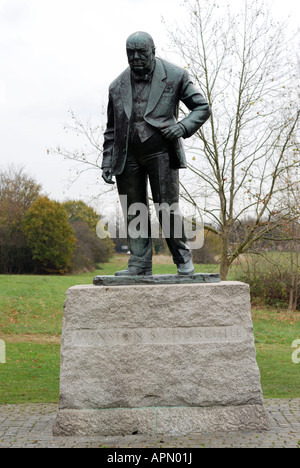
x=143, y=140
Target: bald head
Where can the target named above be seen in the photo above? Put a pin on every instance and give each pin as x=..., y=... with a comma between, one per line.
x=140, y=38
x=140, y=52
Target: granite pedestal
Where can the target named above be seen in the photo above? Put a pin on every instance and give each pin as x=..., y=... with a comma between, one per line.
x=159, y=358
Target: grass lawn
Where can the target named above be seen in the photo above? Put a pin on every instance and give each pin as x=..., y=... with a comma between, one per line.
x=30, y=325
x=31, y=374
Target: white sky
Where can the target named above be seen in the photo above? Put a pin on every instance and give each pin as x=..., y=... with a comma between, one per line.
x=62, y=54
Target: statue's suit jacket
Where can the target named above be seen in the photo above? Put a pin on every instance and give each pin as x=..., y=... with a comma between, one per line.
x=170, y=85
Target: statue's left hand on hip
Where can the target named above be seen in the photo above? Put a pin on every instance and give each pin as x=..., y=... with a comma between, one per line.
x=172, y=132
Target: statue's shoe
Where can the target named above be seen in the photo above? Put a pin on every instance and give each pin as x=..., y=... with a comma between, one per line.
x=186, y=269
x=134, y=271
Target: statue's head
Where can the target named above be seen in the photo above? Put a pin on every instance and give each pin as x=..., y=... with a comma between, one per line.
x=140, y=52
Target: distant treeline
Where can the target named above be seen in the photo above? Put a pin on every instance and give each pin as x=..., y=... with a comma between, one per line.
x=39, y=235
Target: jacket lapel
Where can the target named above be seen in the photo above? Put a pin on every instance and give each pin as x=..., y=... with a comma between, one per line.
x=126, y=92
x=157, y=86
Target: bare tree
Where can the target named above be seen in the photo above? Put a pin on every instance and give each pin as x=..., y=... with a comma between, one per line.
x=244, y=67
x=87, y=157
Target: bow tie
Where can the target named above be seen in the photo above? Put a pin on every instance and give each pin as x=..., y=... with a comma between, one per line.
x=142, y=78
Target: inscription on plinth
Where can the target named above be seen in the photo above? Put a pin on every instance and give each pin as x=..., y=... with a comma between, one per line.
x=149, y=336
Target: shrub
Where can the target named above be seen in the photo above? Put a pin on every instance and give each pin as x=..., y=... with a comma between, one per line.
x=17, y=193
x=270, y=286
x=49, y=236
x=90, y=250
x=210, y=251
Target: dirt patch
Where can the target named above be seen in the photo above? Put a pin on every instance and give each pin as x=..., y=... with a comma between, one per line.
x=280, y=316
x=162, y=260
x=157, y=259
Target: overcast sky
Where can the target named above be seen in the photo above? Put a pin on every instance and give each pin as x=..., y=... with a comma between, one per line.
x=62, y=54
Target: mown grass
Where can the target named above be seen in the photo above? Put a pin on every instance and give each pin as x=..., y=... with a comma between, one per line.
x=31, y=373
x=275, y=331
x=31, y=311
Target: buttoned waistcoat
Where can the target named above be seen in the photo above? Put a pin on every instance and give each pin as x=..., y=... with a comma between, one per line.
x=170, y=85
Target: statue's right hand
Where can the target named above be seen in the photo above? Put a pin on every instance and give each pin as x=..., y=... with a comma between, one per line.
x=107, y=175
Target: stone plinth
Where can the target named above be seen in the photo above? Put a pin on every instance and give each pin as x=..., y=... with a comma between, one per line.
x=159, y=358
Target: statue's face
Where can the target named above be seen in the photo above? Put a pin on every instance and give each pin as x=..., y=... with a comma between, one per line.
x=140, y=54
